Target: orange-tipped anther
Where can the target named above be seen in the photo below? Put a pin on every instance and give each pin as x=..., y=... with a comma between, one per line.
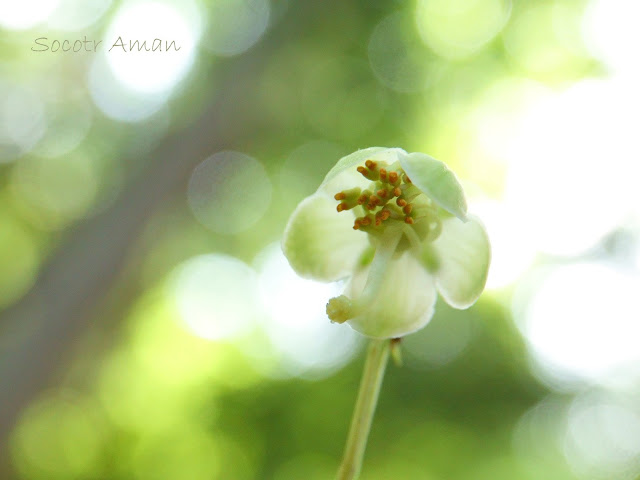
x=401, y=202
x=408, y=220
x=342, y=206
x=397, y=192
x=385, y=214
x=378, y=221
x=362, y=170
x=373, y=200
x=383, y=175
x=370, y=164
x=356, y=224
x=407, y=209
x=340, y=196
x=365, y=221
x=393, y=177
x=382, y=193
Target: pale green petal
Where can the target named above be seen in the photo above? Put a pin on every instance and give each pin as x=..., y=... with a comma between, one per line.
x=436, y=180
x=319, y=242
x=463, y=253
x=403, y=305
x=344, y=174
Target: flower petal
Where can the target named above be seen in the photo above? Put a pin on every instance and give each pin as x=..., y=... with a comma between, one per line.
x=463, y=255
x=344, y=174
x=319, y=242
x=436, y=180
x=404, y=303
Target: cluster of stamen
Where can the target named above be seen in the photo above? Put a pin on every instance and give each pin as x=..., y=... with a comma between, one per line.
x=388, y=197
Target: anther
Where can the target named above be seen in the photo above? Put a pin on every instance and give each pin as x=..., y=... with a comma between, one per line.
x=342, y=206
x=366, y=221
x=371, y=164
x=396, y=192
x=340, y=196
x=383, y=175
x=362, y=170
x=384, y=214
x=407, y=209
x=408, y=220
x=382, y=193
x=356, y=224
x=401, y=202
x=393, y=177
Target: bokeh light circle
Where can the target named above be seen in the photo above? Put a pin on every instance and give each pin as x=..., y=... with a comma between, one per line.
x=581, y=323
x=23, y=121
x=234, y=26
x=457, y=28
x=216, y=295
x=55, y=191
x=296, y=323
x=170, y=36
x=229, y=192
x=117, y=101
x=398, y=56
x=603, y=438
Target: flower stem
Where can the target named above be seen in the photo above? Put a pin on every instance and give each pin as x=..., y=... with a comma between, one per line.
x=375, y=364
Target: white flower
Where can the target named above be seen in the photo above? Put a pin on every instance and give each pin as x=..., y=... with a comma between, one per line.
x=397, y=224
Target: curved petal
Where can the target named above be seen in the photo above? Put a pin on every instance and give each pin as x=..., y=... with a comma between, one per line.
x=344, y=174
x=319, y=242
x=463, y=254
x=403, y=305
x=436, y=180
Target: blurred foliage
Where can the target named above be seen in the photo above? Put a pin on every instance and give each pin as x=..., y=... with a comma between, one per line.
x=138, y=394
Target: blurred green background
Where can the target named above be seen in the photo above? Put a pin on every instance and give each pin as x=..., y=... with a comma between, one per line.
x=151, y=327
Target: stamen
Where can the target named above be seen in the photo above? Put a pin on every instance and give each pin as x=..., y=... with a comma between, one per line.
x=382, y=193
x=342, y=206
x=407, y=209
x=340, y=196
x=396, y=192
x=408, y=220
x=401, y=202
x=383, y=175
x=393, y=177
x=371, y=164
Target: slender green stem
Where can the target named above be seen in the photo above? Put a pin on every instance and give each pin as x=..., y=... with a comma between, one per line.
x=374, y=368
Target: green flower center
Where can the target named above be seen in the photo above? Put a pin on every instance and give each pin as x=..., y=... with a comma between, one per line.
x=390, y=198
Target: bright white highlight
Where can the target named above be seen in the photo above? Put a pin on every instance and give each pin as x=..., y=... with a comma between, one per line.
x=140, y=68
x=611, y=32
x=574, y=165
x=297, y=324
x=582, y=322
x=216, y=296
x=512, y=251
x=23, y=14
